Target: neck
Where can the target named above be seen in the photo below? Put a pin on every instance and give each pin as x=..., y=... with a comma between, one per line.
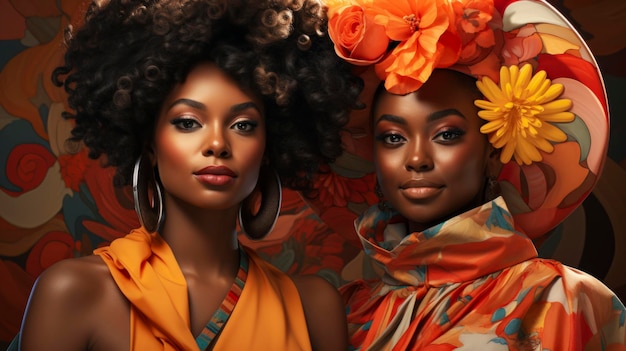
x=420, y=227
x=203, y=241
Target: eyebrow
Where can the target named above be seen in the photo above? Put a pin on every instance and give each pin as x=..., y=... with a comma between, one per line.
x=191, y=103
x=430, y=118
x=391, y=118
x=244, y=106
x=444, y=113
x=200, y=106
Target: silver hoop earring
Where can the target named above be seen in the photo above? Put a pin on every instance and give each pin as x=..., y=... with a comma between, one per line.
x=149, y=211
x=256, y=227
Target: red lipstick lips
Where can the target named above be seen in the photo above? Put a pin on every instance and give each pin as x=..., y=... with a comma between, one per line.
x=216, y=175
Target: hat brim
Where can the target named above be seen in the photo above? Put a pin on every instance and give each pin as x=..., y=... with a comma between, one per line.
x=540, y=195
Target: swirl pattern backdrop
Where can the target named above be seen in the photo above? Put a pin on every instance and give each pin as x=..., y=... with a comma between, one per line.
x=56, y=203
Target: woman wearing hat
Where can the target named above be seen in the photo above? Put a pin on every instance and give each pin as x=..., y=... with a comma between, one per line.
x=490, y=126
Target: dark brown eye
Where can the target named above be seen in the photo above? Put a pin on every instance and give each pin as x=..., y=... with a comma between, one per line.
x=245, y=126
x=449, y=135
x=185, y=124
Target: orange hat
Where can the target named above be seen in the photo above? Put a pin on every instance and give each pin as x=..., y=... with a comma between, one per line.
x=544, y=98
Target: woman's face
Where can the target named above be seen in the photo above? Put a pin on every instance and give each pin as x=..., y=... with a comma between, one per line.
x=209, y=140
x=431, y=159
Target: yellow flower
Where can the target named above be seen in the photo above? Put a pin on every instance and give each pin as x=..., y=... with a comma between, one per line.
x=519, y=112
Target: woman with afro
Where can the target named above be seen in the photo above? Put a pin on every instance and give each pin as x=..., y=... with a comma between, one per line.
x=204, y=106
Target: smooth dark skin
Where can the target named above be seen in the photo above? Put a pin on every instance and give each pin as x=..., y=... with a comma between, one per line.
x=431, y=160
x=76, y=305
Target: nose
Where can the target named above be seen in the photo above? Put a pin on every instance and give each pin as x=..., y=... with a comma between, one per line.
x=217, y=143
x=419, y=158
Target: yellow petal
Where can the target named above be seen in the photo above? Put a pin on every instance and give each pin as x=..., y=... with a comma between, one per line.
x=507, y=153
x=505, y=76
x=484, y=104
x=559, y=117
x=490, y=115
x=527, y=152
x=542, y=144
x=552, y=93
x=491, y=91
x=491, y=126
x=524, y=77
x=557, y=106
x=552, y=133
x=536, y=83
x=532, y=131
x=508, y=92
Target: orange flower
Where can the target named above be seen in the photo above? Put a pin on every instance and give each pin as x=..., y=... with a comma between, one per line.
x=473, y=16
x=357, y=38
x=425, y=38
x=472, y=24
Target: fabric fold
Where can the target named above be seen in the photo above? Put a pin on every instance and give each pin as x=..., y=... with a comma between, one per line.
x=268, y=315
x=474, y=283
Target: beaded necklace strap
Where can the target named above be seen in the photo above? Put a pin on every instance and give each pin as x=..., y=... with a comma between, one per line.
x=220, y=317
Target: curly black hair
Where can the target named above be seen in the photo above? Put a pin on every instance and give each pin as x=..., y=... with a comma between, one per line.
x=129, y=54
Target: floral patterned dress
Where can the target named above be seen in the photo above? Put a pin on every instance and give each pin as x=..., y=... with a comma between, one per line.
x=474, y=282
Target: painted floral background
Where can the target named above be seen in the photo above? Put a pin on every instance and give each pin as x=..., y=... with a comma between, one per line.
x=55, y=203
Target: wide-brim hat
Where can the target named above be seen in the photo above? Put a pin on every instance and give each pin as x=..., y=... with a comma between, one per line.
x=525, y=47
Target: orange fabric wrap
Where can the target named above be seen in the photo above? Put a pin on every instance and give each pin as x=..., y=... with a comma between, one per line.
x=268, y=316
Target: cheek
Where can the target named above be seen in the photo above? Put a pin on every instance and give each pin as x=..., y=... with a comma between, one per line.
x=173, y=151
x=465, y=167
x=174, y=154
x=386, y=162
x=171, y=164
x=249, y=151
x=389, y=165
x=250, y=157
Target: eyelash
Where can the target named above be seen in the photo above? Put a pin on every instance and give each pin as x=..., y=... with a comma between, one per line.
x=456, y=133
x=188, y=124
x=181, y=121
x=252, y=125
x=445, y=136
x=385, y=138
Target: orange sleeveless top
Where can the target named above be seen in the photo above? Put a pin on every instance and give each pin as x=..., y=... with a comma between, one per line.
x=268, y=314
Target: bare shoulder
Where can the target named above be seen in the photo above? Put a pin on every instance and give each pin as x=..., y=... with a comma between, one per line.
x=81, y=293
x=324, y=312
x=315, y=290
x=79, y=280
x=71, y=286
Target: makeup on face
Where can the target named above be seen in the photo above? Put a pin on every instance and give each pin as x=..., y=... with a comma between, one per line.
x=430, y=156
x=209, y=140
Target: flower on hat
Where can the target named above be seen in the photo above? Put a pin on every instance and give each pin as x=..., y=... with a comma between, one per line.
x=521, y=45
x=471, y=18
x=425, y=40
x=356, y=36
x=520, y=111
x=406, y=40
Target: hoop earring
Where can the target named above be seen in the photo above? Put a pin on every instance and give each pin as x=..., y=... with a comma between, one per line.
x=256, y=227
x=149, y=211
